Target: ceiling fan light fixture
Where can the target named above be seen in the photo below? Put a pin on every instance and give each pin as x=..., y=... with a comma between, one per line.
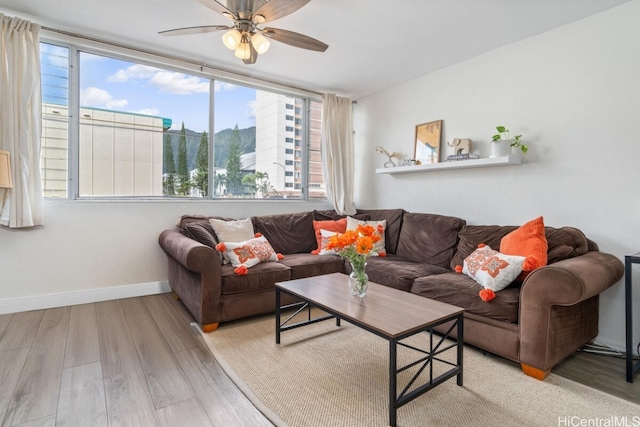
x=232, y=39
x=243, y=51
x=260, y=43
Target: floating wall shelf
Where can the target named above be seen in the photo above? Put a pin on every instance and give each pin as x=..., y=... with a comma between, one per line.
x=459, y=164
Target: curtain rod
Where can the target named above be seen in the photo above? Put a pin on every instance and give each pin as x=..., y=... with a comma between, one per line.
x=165, y=56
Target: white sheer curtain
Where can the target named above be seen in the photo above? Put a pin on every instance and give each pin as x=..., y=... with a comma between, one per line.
x=20, y=115
x=337, y=152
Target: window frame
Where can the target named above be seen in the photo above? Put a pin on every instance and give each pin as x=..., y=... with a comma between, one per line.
x=77, y=44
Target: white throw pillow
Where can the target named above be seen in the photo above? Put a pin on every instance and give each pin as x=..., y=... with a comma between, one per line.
x=492, y=269
x=232, y=231
x=379, y=246
x=325, y=235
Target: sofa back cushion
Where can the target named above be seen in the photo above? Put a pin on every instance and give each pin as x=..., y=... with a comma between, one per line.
x=429, y=238
x=394, y=224
x=564, y=242
x=201, y=231
x=287, y=233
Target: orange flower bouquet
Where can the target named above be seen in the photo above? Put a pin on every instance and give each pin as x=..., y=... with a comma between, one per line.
x=356, y=246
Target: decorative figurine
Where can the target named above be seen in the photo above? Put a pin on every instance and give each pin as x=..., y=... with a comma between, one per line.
x=461, y=145
x=389, y=163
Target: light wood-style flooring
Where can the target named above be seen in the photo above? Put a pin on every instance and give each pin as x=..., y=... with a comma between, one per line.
x=137, y=362
x=130, y=362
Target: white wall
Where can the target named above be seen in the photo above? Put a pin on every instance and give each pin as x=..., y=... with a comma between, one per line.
x=102, y=250
x=574, y=93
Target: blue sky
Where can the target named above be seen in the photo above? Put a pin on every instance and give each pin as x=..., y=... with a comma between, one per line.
x=125, y=86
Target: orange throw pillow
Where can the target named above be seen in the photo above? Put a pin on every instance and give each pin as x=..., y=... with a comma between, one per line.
x=339, y=226
x=528, y=241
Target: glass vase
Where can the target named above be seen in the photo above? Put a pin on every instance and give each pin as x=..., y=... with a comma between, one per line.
x=358, y=280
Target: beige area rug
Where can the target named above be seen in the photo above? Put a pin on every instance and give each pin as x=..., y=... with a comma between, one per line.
x=323, y=375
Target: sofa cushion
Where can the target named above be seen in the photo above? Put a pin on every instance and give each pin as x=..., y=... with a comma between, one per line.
x=397, y=272
x=379, y=246
x=528, y=241
x=566, y=242
x=185, y=220
x=250, y=252
x=394, y=224
x=288, y=233
x=307, y=265
x=331, y=215
x=338, y=226
x=429, y=238
x=232, y=231
x=258, y=278
x=201, y=231
x=462, y=291
x=492, y=269
x=563, y=243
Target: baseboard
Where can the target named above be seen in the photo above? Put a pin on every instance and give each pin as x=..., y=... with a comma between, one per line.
x=15, y=305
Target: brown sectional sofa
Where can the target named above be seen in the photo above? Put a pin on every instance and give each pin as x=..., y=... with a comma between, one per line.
x=537, y=322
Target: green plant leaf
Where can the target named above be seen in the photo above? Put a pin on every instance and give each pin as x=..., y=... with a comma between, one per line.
x=501, y=129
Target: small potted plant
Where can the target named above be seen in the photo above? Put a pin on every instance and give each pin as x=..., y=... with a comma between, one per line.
x=501, y=143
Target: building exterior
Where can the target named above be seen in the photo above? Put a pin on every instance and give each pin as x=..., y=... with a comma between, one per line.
x=279, y=139
x=120, y=153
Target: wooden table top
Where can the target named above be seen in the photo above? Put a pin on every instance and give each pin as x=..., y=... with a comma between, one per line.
x=391, y=312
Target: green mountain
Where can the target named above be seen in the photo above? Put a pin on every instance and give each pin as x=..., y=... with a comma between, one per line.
x=221, y=140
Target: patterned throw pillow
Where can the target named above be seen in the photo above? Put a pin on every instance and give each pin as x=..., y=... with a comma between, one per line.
x=492, y=269
x=352, y=224
x=250, y=252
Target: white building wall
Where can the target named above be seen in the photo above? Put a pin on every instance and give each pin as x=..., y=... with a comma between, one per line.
x=120, y=153
x=574, y=93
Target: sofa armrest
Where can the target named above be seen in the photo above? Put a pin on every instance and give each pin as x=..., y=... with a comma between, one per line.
x=195, y=274
x=557, y=305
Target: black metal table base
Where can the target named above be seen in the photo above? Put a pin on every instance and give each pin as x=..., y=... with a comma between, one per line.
x=632, y=367
x=425, y=363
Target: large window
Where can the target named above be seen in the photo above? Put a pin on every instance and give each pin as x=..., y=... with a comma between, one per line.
x=143, y=130
x=54, y=65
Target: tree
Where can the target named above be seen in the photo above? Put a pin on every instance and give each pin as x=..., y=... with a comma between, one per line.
x=183, y=165
x=219, y=181
x=169, y=167
x=259, y=183
x=201, y=178
x=234, y=173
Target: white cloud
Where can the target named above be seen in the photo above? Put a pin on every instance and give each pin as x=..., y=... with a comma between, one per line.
x=149, y=111
x=136, y=71
x=95, y=97
x=220, y=86
x=167, y=81
x=252, y=109
x=179, y=83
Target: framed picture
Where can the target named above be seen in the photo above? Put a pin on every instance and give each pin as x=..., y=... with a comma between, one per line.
x=427, y=148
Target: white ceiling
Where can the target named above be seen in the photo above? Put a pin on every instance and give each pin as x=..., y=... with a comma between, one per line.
x=373, y=44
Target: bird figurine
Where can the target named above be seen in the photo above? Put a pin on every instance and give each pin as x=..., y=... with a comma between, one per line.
x=389, y=163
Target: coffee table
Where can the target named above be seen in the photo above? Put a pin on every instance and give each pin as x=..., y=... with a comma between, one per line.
x=389, y=313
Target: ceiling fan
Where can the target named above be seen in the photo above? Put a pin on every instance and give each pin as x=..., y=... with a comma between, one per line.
x=244, y=36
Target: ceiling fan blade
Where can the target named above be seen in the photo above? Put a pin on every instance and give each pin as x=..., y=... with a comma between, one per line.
x=294, y=39
x=274, y=9
x=194, y=30
x=220, y=8
x=254, y=55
